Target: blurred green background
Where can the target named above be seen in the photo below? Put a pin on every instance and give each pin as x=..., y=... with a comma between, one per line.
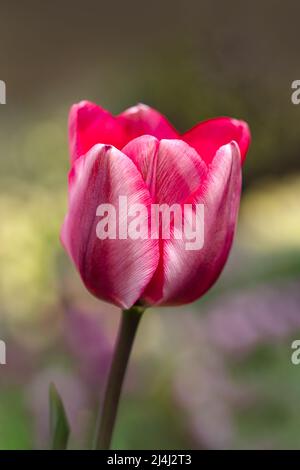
x=215, y=374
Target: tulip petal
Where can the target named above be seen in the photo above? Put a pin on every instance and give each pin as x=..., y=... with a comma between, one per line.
x=188, y=274
x=208, y=136
x=90, y=124
x=115, y=270
x=171, y=169
x=141, y=119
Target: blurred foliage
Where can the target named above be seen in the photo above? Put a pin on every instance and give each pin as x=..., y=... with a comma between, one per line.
x=16, y=426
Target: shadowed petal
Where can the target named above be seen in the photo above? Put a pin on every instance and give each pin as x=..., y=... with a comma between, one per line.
x=141, y=119
x=208, y=136
x=90, y=124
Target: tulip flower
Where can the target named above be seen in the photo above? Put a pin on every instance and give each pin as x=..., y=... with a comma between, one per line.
x=139, y=155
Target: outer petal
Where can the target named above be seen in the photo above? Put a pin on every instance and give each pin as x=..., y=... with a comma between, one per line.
x=188, y=274
x=89, y=125
x=112, y=269
x=208, y=136
x=141, y=119
x=171, y=169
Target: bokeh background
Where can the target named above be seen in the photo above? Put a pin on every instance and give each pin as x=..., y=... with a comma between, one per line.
x=215, y=374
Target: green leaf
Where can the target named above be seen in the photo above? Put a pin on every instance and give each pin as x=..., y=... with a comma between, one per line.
x=59, y=425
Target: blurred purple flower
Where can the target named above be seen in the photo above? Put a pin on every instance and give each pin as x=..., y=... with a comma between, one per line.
x=232, y=325
x=89, y=343
x=202, y=387
x=263, y=314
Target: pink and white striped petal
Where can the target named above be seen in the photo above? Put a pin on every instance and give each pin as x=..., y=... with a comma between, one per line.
x=185, y=275
x=171, y=168
x=115, y=270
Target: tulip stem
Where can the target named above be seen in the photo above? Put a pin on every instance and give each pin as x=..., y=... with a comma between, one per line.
x=106, y=420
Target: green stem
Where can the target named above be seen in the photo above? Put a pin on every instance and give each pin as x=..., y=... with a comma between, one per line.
x=106, y=420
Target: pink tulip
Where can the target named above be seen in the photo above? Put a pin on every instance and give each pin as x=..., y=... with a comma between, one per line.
x=138, y=154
